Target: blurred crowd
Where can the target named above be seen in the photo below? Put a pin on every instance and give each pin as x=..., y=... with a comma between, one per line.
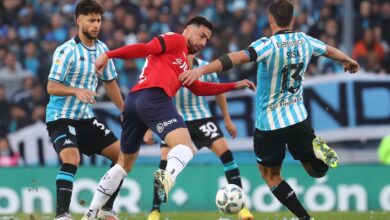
x=30, y=30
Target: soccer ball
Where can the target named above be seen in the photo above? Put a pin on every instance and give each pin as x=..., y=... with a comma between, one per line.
x=230, y=199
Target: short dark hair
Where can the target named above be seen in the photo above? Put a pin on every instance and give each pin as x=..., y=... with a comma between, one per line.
x=282, y=11
x=199, y=20
x=85, y=7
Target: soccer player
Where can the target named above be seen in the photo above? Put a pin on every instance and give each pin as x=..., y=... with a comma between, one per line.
x=204, y=131
x=281, y=115
x=149, y=105
x=71, y=123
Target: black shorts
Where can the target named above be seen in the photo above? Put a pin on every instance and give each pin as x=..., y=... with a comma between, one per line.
x=203, y=132
x=270, y=146
x=147, y=108
x=88, y=135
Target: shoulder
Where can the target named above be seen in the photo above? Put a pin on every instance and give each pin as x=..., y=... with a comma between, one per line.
x=262, y=41
x=67, y=47
x=101, y=44
x=172, y=36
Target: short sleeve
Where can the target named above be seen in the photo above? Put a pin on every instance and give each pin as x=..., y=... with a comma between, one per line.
x=62, y=61
x=319, y=47
x=260, y=49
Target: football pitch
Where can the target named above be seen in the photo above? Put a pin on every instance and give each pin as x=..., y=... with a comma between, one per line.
x=370, y=215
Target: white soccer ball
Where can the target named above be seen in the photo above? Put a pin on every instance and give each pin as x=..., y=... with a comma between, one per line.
x=230, y=199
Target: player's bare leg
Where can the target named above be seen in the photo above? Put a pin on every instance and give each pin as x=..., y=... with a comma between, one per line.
x=232, y=173
x=109, y=183
x=182, y=151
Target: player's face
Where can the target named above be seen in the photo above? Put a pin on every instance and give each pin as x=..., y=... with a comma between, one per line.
x=198, y=38
x=90, y=25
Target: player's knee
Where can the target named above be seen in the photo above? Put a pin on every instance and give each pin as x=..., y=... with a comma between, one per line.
x=318, y=169
x=271, y=175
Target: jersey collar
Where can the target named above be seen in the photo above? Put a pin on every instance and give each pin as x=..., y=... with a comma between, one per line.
x=283, y=32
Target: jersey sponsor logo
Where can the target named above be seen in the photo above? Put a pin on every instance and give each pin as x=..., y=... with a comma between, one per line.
x=160, y=126
x=68, y=142
x=182, y=64
x=289, y=43
x=284, y=104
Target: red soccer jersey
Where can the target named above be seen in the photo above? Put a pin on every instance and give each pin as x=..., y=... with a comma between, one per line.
x=166, y=59
x=163, y=70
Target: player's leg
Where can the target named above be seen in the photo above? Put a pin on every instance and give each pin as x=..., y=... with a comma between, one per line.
x=155, y=212
x=111, y=152
x=270, y=148
x=301, y=140
x=181, y=153
x=96, y=138
x=232, y=173
x=158, y=112
x=110, y=183
x=133, y=131
x=63, y=136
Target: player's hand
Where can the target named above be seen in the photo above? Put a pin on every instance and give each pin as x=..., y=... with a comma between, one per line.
x=190, y=76
x=351, y=66
x=148, y=137
x=245, y=83
x=231, y=128
x=101, y=63
x=86, y=96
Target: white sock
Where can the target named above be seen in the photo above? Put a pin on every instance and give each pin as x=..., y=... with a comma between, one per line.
x=107, y=186
x=177, y=159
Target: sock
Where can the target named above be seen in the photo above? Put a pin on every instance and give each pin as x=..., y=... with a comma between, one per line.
x=231, y=168
x=286, y=195
x=178, y=157
x=64, y=183
x=156, y=198
x=110, y=203
x=106, y=188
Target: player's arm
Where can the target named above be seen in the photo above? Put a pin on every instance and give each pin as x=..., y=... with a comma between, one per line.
x=114, y=93
x=223, y=63
x=63, y=59
x=59, y=89
x=200, y=88
x=172, y=43
x=222, y=103
x=349, y=64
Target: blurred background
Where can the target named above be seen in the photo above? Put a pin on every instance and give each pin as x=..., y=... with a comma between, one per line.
x=351, y=112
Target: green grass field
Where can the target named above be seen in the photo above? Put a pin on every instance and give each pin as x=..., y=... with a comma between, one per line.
x=372, y=215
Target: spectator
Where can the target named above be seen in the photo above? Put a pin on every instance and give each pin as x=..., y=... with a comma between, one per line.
x=12, y=74
x=368, y=52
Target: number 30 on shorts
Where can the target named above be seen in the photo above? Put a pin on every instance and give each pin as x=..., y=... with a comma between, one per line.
x=209, y=129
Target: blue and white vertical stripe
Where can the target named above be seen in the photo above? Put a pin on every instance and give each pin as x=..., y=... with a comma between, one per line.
x=74, y=66
x=282, y=60
x=192, y=107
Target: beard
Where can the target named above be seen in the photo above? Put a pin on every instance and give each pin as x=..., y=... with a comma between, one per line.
x=89, y=35
x=191, y=48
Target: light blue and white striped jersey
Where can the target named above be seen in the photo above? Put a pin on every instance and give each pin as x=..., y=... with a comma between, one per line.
x=192, y=107
x=282, y=61
x=74, y=66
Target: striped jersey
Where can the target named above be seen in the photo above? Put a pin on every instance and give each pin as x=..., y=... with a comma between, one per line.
x=74, y=66
x=282, y=61
x=192, y=107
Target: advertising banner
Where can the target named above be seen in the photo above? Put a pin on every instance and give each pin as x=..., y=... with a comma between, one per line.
x=358, y=188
